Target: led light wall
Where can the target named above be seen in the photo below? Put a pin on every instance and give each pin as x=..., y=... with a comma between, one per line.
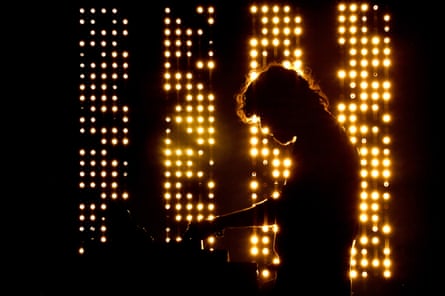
x=189, y=135
x=365, y=110
x=189, y=138
x=363, y=37
x=275, y=37
x=103, y=120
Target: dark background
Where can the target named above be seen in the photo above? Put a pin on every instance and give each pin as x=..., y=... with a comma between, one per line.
x=40, y=125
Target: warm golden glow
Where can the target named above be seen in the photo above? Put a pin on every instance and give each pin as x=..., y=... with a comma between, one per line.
x=365, y=76
x=279, y=29
x=278, y=37
x=190, y=133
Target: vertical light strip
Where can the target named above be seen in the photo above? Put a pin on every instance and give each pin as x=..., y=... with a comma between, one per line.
x=189, y=137
x=103, y=120
x=275, y=37
x=363, y=35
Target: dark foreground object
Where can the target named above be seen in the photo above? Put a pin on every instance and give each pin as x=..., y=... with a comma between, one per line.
x=161, y=271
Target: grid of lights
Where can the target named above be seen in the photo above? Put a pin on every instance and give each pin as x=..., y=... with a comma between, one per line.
x=103, y=120
x=275, y=37
x=189, y=138
x=363, y=33
x=276, y=32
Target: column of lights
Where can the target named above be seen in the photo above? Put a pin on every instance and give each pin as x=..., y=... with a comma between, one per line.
x=363, y=33
x=189, y=185
x=103, y=120
x=276, y=32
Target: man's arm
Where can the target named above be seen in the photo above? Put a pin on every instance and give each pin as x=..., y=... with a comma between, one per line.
x=254, y=215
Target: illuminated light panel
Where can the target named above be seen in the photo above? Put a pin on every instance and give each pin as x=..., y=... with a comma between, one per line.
x=275, y=37
x=103, y=120
x=364, y=36
x=190, y=134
